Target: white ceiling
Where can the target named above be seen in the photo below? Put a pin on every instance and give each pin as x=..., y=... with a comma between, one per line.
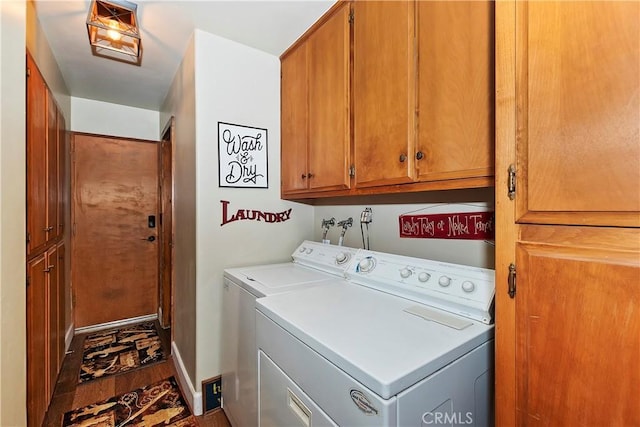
x=166, y=26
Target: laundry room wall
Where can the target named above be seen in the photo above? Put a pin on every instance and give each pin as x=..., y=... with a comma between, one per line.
x=181, y=103
x=13, y=353
x=105, y=118
x=240, y=85
x=221, y=81
x=384, y=234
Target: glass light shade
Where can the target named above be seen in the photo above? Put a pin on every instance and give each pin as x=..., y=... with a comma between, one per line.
x=113, y=26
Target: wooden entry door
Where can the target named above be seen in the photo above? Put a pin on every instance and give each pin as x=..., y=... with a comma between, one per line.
x=114, y=248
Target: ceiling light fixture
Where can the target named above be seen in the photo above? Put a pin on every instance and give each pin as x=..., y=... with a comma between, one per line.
x=113, y=27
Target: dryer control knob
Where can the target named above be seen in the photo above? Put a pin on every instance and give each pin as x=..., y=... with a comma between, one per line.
x=468, y=286
x=405, y=272
x=342, y=257
x=309, y=250
x=302, y=249
x=444, y=281
x=366, y=264
x=424, y=277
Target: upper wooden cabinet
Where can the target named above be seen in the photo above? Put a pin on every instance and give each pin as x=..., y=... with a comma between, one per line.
x=578, y=103
x=384, y=92
x=36, y=158
x=423, y=92
x=316, y=132
x=455, y=130
x=46, y=136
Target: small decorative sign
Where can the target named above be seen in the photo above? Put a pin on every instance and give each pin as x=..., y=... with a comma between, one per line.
x=242, y=156
x=465, y=225
x=252, y=215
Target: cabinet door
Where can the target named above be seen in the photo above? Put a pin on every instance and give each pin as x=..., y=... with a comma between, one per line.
x=455, y=89
x=53, y=291
x=384, y=92
x=329, y=124
x=61, y=308
x=578, y=98
x=62, y=191
x=36, y=159
x=37, y=344
x=294, y=119
x=578, y=326
x=52, y=168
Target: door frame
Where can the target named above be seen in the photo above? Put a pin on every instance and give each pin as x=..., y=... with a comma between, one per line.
x=166, y=234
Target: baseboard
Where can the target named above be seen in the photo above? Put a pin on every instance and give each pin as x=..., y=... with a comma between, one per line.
x=68, y=337
x=116, y=324
x=194, y=397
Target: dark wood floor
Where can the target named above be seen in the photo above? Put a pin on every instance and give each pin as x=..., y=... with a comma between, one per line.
x=69, y=394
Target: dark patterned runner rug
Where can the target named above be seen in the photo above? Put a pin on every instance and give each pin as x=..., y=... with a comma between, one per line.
x=115, y=351
x=157, y=404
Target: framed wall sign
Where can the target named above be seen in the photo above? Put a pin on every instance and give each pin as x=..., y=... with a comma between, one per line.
x=242, y=156
x=463, y=225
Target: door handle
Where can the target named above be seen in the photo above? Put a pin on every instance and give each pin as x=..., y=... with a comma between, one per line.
x=150, y=239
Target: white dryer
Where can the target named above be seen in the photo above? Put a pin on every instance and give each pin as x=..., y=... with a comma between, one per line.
x=405, y=342
x=314, y=264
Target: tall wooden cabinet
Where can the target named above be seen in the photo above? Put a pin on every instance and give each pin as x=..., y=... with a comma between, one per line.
x=316, y=133
x=46, y=282
x=567, y=213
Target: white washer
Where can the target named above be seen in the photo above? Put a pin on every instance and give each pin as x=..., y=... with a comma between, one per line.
x=314, y=264
x=406, y=342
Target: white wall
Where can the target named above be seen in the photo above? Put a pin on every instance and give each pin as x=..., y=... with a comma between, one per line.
x=240, y=85
x=13, y=373
x=384, y=231
x=180, y=103
x=104, y=118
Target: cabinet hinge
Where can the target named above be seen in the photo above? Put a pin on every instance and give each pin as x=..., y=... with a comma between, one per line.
x=352, y=171
x=28, y=72
x=351, y=18
x=512, y=280
x=28, y=238
x=28, y=280
x=512, y=182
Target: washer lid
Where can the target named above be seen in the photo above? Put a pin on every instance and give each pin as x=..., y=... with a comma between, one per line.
x=271, y=279
x=369, y=335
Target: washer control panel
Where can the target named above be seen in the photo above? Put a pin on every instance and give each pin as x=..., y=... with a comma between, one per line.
x=329, y=258
x=459, y=289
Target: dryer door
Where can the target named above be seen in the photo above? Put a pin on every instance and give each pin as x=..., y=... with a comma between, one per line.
x=283, y=403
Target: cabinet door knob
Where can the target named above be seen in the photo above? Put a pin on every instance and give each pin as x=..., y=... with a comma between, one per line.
x=419, y=155
x=310, y=175
x=403, y=157
x=304, y=176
